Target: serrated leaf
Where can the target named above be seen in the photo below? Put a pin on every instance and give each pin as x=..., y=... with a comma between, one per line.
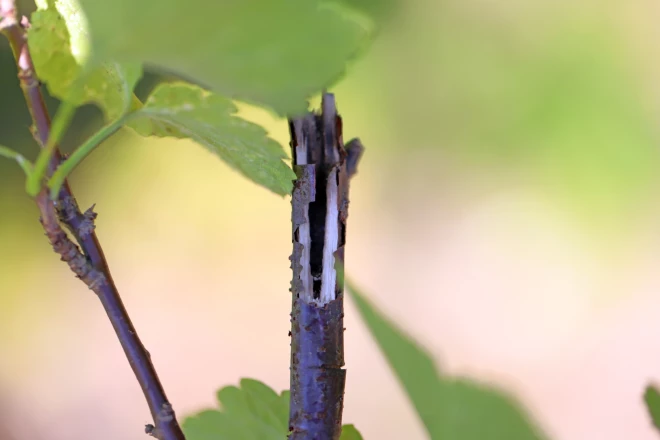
x=449, y=408
x=237, y=418
x=652, y=400
x=252, y=411
x=264, y=402
x=76, y=24
x=58, y=42
x=212, y=425
x=274, y=53
x=348, y=432
x=182, y=110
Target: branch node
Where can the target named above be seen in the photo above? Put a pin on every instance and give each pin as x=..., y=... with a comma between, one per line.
x=95, y=280
x=166, y=413
x=6, y=23
x=354, y=150
x=35, y=133
x=87, y=225
x=28, y=79
x=91, y=267
x=67, y=209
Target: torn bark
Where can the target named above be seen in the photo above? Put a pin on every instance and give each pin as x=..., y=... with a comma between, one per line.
x=319, y=212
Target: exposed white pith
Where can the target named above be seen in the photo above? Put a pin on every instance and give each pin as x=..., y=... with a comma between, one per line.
x=331, y=240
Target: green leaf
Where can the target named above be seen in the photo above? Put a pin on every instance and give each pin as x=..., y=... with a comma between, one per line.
x=76, y=24
x=58, y=42
x=252, y=411
x=348, y=432
x=25, y=164
x=449, y=408
x=378, y=9
x=185, y=111
x=652, y=400
x=269, y=52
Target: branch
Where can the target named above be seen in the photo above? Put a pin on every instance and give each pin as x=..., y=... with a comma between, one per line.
x=319, y=212
x=90, y=264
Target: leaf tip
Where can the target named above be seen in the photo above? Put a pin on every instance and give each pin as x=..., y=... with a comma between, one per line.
x=652, y=401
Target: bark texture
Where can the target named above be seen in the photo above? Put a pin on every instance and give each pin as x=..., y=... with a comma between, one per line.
x=319, y=201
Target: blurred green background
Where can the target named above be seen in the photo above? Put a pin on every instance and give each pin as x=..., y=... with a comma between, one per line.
x=505, y=214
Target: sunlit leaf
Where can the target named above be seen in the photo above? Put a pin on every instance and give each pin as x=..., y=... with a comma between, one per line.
x=58, y=40
x=185, y=111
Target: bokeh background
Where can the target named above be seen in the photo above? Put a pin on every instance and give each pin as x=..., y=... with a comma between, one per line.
x=506, y=214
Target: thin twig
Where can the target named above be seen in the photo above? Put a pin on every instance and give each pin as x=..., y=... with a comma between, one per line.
x=319, y=212
x=89, y=265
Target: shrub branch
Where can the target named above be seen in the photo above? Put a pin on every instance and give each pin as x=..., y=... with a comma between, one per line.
x=86, y=258
x=319, y=213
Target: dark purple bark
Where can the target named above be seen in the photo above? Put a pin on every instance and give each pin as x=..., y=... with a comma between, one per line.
x=319, y=212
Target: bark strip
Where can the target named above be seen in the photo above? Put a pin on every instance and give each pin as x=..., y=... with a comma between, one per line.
x=323, y=166
x=87, y=261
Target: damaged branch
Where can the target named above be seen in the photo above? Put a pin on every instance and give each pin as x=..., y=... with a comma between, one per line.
x=88, y=261
x=319, y=202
